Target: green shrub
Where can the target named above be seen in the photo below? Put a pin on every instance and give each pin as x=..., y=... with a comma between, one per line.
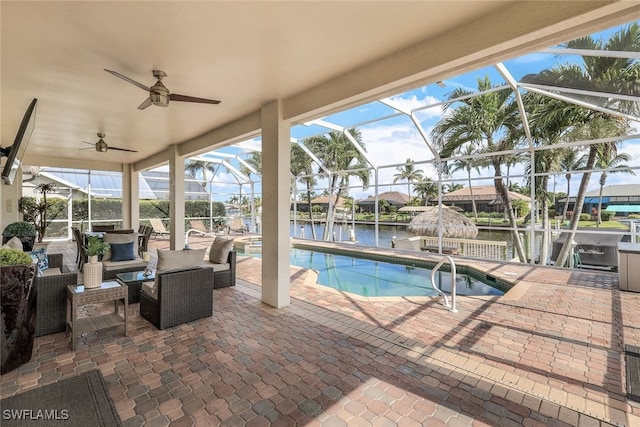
x=607, y=216
x=585, y=217
x=20, y=228
x=10, y=256
x=633, y=216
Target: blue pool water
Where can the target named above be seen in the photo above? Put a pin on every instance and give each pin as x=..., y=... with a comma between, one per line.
x=374, y=278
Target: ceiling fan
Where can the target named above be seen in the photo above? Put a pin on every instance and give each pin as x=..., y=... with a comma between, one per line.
x=102, y=146
x=159, y=94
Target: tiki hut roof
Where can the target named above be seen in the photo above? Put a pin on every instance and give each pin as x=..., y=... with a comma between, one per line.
x=324, y=200
x=454, y=224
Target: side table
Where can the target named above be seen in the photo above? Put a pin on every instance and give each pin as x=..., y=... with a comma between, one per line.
x=133, y=280
x=78, y=296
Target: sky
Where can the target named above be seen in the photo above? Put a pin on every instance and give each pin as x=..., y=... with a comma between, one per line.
x=393, y=139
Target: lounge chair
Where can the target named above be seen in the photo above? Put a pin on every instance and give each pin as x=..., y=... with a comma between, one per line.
x=197, y=226
x=237, y=225
x=158, y=227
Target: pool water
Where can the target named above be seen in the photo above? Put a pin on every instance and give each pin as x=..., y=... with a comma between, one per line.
x=374, y=278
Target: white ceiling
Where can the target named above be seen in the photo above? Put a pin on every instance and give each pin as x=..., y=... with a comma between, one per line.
x=313, y=55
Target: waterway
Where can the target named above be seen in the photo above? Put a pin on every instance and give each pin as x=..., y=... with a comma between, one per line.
x=365, y=234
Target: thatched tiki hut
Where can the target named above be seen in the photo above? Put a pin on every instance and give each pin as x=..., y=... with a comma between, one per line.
x=454, y=224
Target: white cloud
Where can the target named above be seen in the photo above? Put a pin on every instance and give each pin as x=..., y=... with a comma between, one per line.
x=413, y=102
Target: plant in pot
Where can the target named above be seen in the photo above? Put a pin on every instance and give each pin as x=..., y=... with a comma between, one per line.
x=23, y=230
x=93, y=270
x=39, y=211
x=18, y=308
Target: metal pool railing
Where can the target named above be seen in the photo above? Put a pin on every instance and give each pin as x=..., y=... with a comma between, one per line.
x=452, y=306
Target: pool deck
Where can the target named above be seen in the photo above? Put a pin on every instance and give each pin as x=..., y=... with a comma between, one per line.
x=549, y=352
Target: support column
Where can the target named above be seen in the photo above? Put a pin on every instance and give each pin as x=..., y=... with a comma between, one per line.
x=176, y=198
x=276, y=154
x=130, y=198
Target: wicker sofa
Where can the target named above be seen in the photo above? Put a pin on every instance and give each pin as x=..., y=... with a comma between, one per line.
x=51, y=296
x=110, y=267
x=178, y=297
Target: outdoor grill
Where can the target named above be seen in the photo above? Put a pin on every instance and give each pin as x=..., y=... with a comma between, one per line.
x=596, y=249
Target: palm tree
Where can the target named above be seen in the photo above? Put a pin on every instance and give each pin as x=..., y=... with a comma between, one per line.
x=450, y=188
x=468, y=164
x=621, y=75
x=485, y=120
x=195, y=166
x=610, y=162
x=410, y=173
x=343, y=160
x=302, y=170
x=570, y=160
x=426, y=189
x=255, y=161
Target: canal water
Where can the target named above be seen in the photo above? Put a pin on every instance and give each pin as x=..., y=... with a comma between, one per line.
x=365, y=235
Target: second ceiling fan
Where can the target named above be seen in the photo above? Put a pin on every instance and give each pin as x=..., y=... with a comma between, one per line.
x=159, y=94
x=102, y=146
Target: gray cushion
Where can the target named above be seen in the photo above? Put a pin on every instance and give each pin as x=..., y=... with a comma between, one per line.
x=179, y=260
x=117, y=265
x=219, y=251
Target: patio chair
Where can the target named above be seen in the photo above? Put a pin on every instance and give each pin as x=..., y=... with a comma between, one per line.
x=100, y=228
x=81, y=254
x=197, y=226
x=158, y=227
x=144, y=233
x=237, y=225
x=51, y=296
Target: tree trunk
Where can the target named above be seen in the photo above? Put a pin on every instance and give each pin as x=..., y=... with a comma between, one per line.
x=330, y=212
x=502, y=190
x=566, y=201
x=544, y=245
x=563, y=256
x=603, y=181
x=473, y=199
x=310, y=207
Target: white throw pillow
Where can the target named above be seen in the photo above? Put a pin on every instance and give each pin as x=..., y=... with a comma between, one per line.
x=15, y=243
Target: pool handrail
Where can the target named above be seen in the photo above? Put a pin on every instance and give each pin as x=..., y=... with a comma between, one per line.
x=452, y=306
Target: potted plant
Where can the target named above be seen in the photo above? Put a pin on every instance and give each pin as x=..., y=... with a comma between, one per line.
x=18, y=308
x=95, y=248
x=93, y=270
x=23, y=230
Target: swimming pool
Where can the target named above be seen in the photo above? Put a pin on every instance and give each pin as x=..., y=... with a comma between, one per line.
x=377, y=278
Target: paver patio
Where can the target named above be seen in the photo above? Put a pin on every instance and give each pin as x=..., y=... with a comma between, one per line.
x=548, y=353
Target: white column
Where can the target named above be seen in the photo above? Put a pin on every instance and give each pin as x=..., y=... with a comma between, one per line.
x=176, y=198
x=9, y=194
x=275, y=206
x=130, y=198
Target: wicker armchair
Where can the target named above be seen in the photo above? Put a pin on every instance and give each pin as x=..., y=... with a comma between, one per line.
x=51, y=298
x=224, y=277
x=180, y=297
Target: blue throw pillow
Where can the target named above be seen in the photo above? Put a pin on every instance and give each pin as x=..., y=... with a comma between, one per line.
x=39, y=256
x=122, y=251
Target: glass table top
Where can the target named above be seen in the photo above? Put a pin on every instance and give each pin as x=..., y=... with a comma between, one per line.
x=136, y=276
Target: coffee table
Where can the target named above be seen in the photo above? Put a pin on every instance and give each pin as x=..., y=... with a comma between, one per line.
x=78, y=295
x=133, y=280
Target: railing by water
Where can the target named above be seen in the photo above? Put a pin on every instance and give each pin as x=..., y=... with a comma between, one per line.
x=485, y=249
x=452, y=306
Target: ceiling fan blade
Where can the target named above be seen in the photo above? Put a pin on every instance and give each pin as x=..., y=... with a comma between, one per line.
x=185, y=98
x=145, y=104
x=93, y=144
x=133, y=82
x=121, y=149
x=88, y=148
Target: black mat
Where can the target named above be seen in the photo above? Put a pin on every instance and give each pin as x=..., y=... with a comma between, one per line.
x=81, y=401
